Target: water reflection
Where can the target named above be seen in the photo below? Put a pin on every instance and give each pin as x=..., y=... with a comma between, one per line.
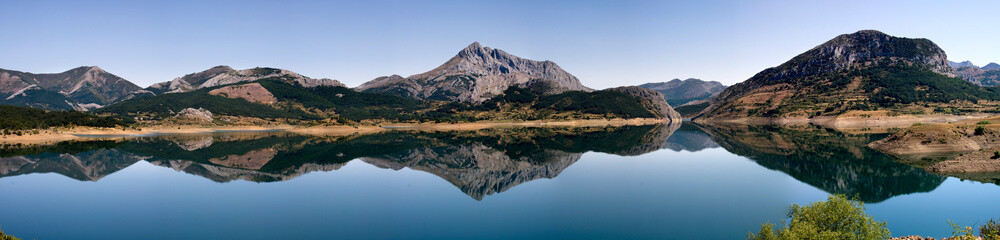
x=484, y=162
x=479, y=163
x=832, y=161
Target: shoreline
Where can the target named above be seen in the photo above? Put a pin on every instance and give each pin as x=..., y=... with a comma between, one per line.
x=52, y=136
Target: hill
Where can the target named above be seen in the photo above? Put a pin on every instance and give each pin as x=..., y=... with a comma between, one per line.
x=867, y=70
x=81, y=88
x=475, y=74
x=223, y=75
x=680, y=92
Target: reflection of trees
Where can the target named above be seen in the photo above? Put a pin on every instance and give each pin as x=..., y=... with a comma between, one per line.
x=829, y=160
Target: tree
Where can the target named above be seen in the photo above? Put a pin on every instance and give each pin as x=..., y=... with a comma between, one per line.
x=836, y=218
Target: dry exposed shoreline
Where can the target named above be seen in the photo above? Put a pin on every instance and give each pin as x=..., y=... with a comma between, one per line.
x=51, y=136
x=851, y=121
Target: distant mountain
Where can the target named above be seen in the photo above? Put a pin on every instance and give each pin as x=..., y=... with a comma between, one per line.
x=477, y=73
x=980, y=76
x=957, y=65
x=222, y=75
x=866, y=70
x=81, y=88
x=992, y=66
x=681, y=92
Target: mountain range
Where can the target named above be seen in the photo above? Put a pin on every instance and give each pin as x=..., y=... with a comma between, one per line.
x=988, y=75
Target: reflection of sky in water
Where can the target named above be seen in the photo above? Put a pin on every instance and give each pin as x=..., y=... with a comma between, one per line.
x=709, y=194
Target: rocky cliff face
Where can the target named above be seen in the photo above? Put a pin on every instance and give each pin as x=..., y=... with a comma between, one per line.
x=653, y=101
x=833, y=75
x=475, y=74
x=223, y=75
x=81, y=88
x=682, y=92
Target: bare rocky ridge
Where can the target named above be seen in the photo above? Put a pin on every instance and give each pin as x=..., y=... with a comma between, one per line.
x=81, y=88
x=223, y=75
x=477, y=73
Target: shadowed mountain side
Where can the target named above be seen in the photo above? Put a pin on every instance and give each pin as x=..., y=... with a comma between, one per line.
x=689, y=138
x=828, y=160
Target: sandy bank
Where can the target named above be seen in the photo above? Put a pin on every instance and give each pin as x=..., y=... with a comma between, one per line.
x=63, y=134
x=869, y=121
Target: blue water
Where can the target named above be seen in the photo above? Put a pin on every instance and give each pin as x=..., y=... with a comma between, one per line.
x=703, y=193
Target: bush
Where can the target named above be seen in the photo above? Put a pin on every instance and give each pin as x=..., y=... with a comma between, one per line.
x=984, y=122
x=996, y=155
x=917, y=124
x=836, y=218
x=990, y=230
x=980, y=130
x=7, y=237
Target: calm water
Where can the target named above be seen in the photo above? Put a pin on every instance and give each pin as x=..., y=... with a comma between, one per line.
x=651, y=182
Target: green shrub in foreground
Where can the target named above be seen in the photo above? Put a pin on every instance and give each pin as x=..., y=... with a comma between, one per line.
x=836, y=218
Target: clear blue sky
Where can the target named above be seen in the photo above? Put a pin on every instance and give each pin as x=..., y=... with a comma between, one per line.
x=604, y=43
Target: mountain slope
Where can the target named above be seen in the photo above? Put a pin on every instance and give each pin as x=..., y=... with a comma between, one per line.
x=680, y=92
x=992, y=66
x=867, y=70
x=81, y=88
x=475, y=74
x=223, y=75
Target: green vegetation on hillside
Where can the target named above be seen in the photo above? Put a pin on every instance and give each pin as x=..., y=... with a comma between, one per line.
x=689, y=111
x=22, y=118
x=167, y=105
x=611, y=103
x=906, y=84
x=347, y=103
x=38, y=98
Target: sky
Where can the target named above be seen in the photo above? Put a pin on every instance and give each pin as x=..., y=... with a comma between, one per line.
x=604, y=43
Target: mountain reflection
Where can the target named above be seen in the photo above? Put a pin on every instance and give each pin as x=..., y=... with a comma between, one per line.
x=832, y=161
x=479, y=163
x=487, y=161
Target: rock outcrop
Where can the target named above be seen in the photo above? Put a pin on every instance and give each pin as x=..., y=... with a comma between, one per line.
x=81, y=88
x=477, y=73
x=223, y=75
x=198, y=114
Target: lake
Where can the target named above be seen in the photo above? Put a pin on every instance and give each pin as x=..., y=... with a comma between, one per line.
x=636, y=182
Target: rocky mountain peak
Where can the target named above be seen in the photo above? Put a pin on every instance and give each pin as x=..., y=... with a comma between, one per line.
x=476, y=73
x=223, y=75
